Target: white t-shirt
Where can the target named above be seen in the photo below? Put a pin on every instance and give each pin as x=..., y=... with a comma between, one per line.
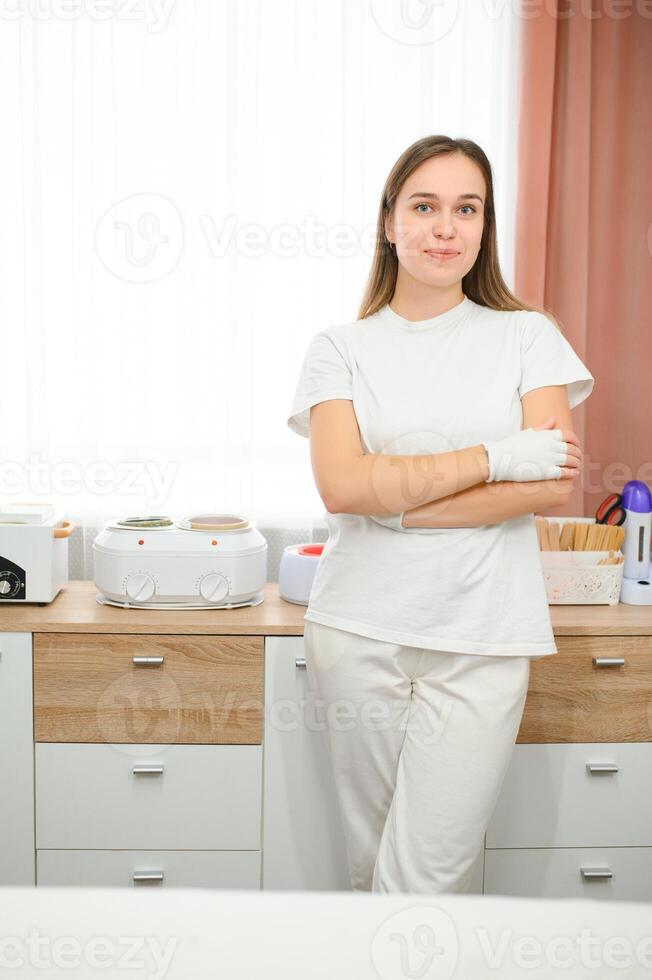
x=433, y=386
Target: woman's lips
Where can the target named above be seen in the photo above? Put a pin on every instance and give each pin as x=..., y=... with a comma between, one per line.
x=442, y=256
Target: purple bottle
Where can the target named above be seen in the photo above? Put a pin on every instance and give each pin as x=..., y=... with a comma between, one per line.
x=637, y=503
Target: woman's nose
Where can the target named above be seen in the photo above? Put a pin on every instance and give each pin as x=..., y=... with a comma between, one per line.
x=443, y=225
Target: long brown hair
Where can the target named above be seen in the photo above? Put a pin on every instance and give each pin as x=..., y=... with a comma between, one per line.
x=483, y=283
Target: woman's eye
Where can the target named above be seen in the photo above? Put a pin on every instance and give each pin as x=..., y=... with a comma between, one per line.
x=424, y=205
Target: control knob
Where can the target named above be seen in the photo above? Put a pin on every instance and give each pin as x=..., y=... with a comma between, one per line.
x=9, y=584
x=213, y=587
x=140, y=587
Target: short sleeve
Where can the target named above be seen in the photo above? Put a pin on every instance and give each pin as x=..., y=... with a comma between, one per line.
x=547, y=358
x=325, y=374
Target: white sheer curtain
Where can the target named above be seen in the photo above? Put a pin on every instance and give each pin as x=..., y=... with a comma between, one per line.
x=189, y=191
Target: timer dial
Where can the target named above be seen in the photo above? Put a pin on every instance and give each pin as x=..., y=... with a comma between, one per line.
x=140, y=587
x=213, y=587
x=9, y=584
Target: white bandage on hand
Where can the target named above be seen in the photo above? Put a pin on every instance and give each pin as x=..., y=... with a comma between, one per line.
x=531, y=454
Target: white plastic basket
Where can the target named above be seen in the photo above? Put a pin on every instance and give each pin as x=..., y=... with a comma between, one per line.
x=575, y=577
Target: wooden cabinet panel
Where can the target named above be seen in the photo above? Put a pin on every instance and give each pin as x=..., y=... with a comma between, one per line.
x=577, y=696
x=119, y=687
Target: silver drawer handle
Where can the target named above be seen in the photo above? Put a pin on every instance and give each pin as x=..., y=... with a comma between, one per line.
x=608, y=661
x=594, y=874
x=300, y=661
x=148, y=876
x=602, y=767
x=148, y=661
x=147, y=770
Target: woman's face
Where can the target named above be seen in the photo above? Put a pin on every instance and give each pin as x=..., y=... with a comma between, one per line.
x=433, y=211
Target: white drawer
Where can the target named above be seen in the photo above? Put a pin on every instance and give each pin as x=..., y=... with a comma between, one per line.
x=208, y=797
x=189, y=869
x=550, y=798
x=557, y=872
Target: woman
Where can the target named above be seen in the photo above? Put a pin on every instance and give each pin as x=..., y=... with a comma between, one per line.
x=431, y=421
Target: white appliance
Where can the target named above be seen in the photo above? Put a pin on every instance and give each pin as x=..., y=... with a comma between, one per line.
x=297, y=570
x=205, y=561
x=33, y=552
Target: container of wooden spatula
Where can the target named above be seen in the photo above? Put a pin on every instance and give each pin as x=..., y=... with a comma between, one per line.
x=581, y=559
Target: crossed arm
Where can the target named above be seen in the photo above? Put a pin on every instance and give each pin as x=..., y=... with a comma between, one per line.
x=491, y=503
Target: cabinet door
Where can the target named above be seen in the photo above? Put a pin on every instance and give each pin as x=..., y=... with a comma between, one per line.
x=16, y=760
x=303, y=843
x=187, y=797
x=582, y=795
x=611, y=873
x=160, y=688
x=147, y=869
x=595, y=689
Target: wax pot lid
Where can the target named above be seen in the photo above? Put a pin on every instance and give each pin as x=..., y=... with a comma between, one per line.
x=314, y=550
x=213, y=522
x=145, y=522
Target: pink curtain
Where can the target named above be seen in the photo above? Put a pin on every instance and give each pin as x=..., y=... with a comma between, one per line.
x=584, y=218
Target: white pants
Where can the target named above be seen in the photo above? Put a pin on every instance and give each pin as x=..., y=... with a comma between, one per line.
x=420, y=741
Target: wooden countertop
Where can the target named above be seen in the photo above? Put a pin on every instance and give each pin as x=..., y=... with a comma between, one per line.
x=75, y=610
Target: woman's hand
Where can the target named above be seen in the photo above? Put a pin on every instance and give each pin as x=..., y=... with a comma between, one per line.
x=544, y=453
x=574, y=463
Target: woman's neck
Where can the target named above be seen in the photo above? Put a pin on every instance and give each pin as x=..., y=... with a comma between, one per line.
x=416, y=301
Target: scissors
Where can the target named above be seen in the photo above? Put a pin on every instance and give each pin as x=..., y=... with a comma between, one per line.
x=611, y=510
